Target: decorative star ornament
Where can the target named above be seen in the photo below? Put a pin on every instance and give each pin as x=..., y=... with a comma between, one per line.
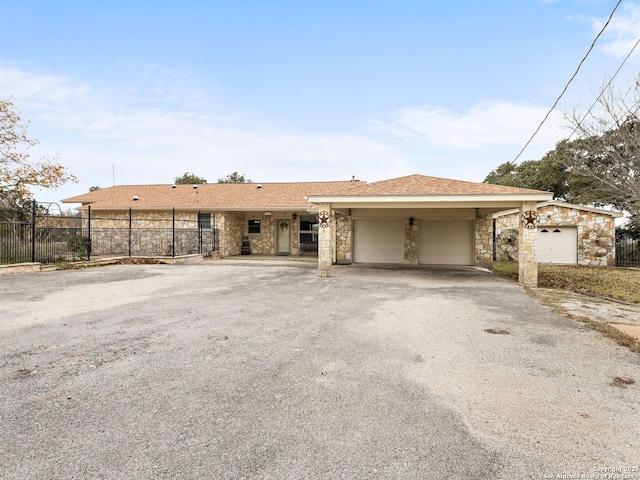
x=324, y=219
x=530, y=219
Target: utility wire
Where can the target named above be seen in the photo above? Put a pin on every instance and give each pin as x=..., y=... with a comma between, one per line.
x=555, y=104
x=579, y=122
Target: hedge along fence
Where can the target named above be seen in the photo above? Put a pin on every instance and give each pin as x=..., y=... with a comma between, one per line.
x=55, y=239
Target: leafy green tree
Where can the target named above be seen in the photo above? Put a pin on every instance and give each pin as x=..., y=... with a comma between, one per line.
x=600, y=167
x=189, y=179
x=234, y=177
x=14, y=207
x=546, y=174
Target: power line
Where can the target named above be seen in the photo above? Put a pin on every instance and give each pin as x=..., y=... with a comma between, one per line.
x=555, y=104
x=579, y=122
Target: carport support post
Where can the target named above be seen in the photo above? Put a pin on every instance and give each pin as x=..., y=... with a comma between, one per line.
x=527, y=240
x=324, y=240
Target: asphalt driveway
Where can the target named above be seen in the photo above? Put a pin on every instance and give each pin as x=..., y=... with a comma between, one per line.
x=258, y=370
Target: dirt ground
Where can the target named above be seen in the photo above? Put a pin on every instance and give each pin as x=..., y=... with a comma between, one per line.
x=624, y=317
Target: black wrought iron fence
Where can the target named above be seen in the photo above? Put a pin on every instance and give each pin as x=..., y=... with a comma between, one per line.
x=628, y=250
x=167, y=242
x=22, y=242
x=53, y=239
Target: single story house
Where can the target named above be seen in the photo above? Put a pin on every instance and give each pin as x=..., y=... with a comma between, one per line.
x=567, y=234
x=415, y=219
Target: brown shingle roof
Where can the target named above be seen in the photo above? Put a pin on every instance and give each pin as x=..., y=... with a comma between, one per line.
x=210, y=195
x=425, y=185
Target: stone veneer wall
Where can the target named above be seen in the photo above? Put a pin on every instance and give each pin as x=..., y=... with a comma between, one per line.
x=233, y=228
x=596, y=234
x=483, y=241
x=411, y=236
x=263, y=243
x=343, y=225
x=140, y=219
x=151, y=233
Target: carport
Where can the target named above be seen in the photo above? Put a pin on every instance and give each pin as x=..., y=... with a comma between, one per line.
x=419, y=219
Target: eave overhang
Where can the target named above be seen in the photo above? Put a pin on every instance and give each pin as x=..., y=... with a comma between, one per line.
x=200, y=208
x=429, y=201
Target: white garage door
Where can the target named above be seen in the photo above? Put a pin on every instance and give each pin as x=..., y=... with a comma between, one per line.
x=557, y=245
x=378, y=241
x=446, y=242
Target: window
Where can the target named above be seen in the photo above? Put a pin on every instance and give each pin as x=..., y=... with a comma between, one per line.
x=253, y=226
x=204, y=221
x=308, y=233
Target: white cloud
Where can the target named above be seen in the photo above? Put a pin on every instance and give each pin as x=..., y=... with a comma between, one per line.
x=153, y=131
x=493, y=123
x=622, y=32
x=151, y=138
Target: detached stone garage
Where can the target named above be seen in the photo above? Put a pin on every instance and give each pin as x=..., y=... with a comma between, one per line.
x=567, y=234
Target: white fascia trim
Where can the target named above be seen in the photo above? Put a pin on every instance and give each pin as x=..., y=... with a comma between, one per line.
x=557, y=203
x=205, y=208
x=260, y=209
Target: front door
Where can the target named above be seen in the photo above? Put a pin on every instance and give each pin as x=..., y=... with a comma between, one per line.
x=283, y=236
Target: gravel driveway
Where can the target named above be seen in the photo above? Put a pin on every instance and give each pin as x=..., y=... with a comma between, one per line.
x=251, y=370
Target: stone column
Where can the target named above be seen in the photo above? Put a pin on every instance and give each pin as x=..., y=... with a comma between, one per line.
x=324, y=240
x=527, y=245
x=411, y=241
x=483, y=245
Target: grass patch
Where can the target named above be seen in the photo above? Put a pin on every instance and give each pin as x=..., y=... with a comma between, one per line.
x=613, y=333
x=618, y=283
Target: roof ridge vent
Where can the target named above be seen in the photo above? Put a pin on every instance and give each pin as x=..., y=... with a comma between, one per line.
x=259, y=185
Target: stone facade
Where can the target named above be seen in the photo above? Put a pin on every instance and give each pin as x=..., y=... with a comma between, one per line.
x=527, y=242
x=151, y=233
x=343, y=225
x=141, y=219
x=263, y=243
x=113, y=227
x=596, y=233
x=325, y=242
x=233, y=229
x=411, y=236
x=483, y=241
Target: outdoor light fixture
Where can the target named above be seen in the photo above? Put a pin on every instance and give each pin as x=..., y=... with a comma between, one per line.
x=411, y=220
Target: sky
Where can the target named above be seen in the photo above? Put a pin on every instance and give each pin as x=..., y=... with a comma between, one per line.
x=140, y=92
